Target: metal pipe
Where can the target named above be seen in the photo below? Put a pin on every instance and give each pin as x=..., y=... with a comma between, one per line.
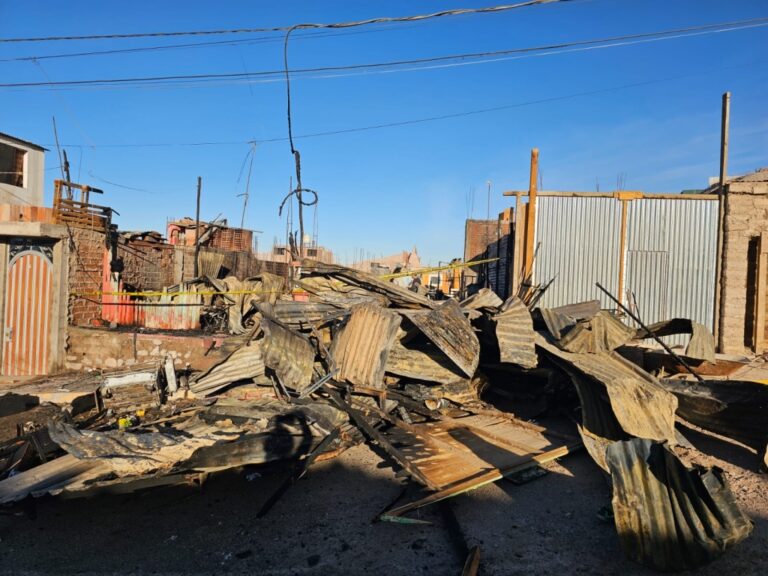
x=648, y=330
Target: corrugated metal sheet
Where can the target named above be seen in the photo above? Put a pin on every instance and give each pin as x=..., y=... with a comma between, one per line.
x=483, y=298
x=430, y=365
x=28, y=299
x=578, y=240
x=244, y=363
x=289, y=354
x=602, y=333
x=362, y=346
x=670, y=255
x=640, y=404
x=515, y=335
x=669, y=517
x=448, y=328
x=672, y=250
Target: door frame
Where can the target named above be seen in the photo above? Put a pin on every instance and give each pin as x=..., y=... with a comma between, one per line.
x=49, y=233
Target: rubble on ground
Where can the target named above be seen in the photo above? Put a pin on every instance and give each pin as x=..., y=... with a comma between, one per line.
x=358, y=359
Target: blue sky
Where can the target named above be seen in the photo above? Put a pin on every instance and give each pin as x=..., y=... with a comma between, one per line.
x=387, y=189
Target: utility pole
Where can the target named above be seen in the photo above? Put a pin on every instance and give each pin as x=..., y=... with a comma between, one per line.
x=197, y=228
x=247, y=186
x=725, y=121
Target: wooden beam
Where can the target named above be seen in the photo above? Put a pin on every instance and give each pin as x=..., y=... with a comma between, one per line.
x=530, y=216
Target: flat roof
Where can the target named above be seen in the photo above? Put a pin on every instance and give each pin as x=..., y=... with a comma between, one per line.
x=22, y=142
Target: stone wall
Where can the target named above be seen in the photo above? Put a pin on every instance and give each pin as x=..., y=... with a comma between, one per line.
x=746, y=217
x=106, y=349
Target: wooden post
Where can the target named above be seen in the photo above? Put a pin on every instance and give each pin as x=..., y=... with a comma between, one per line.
x=624, y=197
x=622, y=247
x=197, y=228
x=530, y=216
x=719, y=281
x=762, y=270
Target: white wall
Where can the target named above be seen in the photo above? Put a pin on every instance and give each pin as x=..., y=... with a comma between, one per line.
x=34, y=178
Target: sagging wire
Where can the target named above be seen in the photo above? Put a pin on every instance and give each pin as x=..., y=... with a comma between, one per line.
x=299, y=190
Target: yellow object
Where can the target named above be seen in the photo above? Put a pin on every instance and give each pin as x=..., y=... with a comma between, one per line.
x=436, y=269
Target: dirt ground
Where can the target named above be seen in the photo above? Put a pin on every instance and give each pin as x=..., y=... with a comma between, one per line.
x=325, y=525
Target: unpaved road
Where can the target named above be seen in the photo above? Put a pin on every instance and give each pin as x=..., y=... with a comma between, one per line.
x=323, y=525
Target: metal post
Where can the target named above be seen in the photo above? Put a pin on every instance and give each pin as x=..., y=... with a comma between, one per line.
x=724, y=129
x=197, y=228
x=652, y=334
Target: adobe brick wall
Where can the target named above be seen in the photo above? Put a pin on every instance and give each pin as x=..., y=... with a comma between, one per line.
x=105, y=349
x=746, y=217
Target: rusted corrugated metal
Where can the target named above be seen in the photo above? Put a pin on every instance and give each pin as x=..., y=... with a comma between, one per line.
x=515, y=335
x=173, y=312
x=399, y=296
x=28, y=299
x=448, y=328
x=604, y=332
x=244, y=363
x=670, y=517
x=289, y=354
x=430, y=364
x=483, y=298
x=638, y=402
x=363, y=344
x=297, y=314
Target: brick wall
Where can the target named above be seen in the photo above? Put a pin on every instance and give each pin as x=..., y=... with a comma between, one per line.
x=86, y=259
x=490, y=239
x=234, y=239
x=746, y=217
x=104, y=349
x=147, y=265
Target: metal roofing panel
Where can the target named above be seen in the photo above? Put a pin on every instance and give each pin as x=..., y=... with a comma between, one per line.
x=362, y=346
x=450, y=331
x=515, y=335
x=641, y=405
x=670, y=517
x=430, y=365
x=289, y=354
x=244, y=363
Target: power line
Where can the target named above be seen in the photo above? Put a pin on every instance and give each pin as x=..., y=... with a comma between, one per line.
x=427, y=119
x=608, y=42
x=214, y=43
x=379, y=20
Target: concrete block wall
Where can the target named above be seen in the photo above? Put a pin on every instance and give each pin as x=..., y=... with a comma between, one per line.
x=746, y=217
x=105, y=349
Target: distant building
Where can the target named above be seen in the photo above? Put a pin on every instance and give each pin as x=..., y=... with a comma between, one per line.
x=22, y=171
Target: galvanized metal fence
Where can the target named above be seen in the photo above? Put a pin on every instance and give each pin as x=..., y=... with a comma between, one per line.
x=655, y=253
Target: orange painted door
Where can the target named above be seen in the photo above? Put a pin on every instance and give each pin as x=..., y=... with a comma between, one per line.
x=28, y=299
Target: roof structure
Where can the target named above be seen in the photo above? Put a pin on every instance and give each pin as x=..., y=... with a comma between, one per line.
x=4, y=136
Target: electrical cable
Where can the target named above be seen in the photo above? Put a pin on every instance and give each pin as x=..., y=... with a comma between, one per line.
x=608, y=42
x=214, y=43
x=379, y=20
x=421, y=120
